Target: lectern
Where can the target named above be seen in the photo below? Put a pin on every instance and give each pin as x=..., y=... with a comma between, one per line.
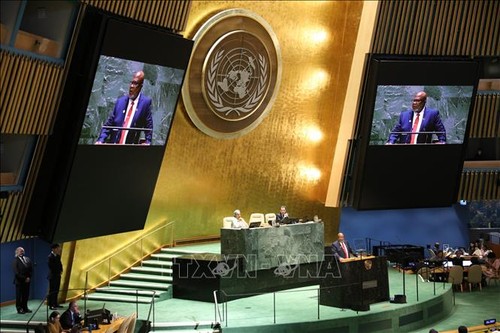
x=358, y=282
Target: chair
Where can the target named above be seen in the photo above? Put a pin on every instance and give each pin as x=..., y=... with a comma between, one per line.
x=424, y=273
x=227, y=222
x=131, y=326
x=125, y=326
x=271, y=217
x=474, y=276
x=257, y=217
x=456, y=276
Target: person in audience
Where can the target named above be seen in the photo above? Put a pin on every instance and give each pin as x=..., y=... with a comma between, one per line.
x=433, y=331
x=23, y=269
x=492, y=266
x=457, y=260
x=341, y=248
x=238, y=221
x=71, y=317
x=282, y=214
x=462, y=329
x=472, y=248
x=439, y=257
x=54, y=324
x=481, y=252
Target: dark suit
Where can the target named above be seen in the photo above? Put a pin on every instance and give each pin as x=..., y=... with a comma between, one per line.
x=280, y=217
x=55, y=271
x=431, y=122
x=142, y=119
x=22, y=271
x=68, y=319
x=337, y=250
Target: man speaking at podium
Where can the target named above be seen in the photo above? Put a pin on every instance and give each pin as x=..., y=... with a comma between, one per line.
x=418, y=124
x=341, y=248
x=131, y=111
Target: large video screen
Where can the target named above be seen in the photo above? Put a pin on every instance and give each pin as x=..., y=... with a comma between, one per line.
x=411, y=131
x=446, y=120
x=113, y=92
x=111, y=132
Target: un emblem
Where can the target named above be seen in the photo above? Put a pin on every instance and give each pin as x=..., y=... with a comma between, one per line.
x=234, y=74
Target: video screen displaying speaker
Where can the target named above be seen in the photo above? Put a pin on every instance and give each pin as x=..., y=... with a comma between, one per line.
x=104, y=155
x=399, y=160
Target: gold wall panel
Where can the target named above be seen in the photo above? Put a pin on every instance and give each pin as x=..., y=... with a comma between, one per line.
x=287, y=159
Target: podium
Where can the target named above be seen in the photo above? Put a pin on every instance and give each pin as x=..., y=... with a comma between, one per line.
x=354, y=283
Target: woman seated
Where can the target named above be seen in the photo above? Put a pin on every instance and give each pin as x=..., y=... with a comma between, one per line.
x=54, y=326
x=492, y=266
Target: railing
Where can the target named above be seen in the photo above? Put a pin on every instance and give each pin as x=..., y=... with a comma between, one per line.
x=105, y=270
x=43, y=306
x=309, y=308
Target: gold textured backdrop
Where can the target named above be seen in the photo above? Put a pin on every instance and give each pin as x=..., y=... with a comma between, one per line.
x=287, y=159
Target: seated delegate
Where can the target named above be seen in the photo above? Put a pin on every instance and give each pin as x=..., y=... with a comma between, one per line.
x=71, y=317
x=238, y=221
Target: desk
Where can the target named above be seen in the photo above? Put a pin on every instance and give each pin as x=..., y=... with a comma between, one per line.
x=107, y=328
x=265, y=248
x=359, y=282
x=252, y=261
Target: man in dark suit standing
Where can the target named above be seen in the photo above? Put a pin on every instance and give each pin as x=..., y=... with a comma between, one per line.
x=23, y=269
x=55, y=272
x=419, y=124
x=130, y=111
x=341, y=248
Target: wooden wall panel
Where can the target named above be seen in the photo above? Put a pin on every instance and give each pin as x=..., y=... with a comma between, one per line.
x=171, y=14
x=435, y=27
x=480, y=185
x=485, y=120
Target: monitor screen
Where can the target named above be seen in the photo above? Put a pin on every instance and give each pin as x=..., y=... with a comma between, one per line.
x=110, y=101
x=411, y=131
x=97, y=158
x=392, y=101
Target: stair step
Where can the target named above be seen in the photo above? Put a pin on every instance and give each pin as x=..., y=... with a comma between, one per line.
x=165, y=256
x=157, y=263
x=130, y=291
x=152, y=270
x=139, y=285
x=146, y=277
x=118, y=298
x=178, y=251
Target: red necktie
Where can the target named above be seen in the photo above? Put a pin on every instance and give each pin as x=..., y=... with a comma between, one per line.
x=125, y=123
x=414, y=130
x=345, y=249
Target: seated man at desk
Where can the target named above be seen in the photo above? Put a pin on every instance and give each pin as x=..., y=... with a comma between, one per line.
x=282, y=214
x=341, y=248
x=238, y=221
x=71, y=317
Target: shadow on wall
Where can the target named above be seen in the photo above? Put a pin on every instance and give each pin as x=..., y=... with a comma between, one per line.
x=422, y=226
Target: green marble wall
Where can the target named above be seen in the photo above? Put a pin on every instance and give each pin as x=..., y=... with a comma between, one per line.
x=265, y=248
